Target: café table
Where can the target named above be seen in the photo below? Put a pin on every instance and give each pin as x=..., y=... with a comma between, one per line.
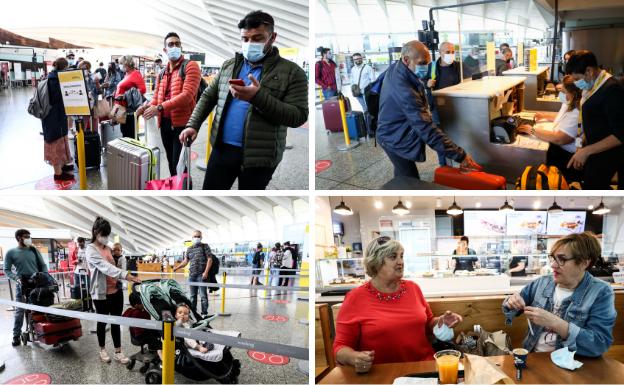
x=540, y=370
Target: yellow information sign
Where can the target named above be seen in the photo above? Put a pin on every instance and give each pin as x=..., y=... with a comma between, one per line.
x=74, y=93
x=533, y=60
x=520, y=51
x=289, y=52
x=490, y=56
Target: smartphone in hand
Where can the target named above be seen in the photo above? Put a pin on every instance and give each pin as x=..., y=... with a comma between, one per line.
x=237, y=82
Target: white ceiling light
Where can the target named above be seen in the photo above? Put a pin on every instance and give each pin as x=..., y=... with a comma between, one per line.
x=537, y=204
x=378, y=205
x=478, y=204
x=454, y=209
x=343, y=209
x=400, y=209
x=438, y=202
x=601, y=209
x=590, y=207
x=408, y=204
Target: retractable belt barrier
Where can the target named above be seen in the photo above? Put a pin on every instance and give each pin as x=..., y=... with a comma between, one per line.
x=229, y=274
x=235, y=342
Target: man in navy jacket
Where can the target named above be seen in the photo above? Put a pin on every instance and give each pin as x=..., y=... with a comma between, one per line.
x=405, y=124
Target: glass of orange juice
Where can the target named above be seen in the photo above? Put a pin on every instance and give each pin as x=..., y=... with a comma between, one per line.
x=447, y=363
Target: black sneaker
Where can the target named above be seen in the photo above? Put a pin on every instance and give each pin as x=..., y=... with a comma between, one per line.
x=16, y=341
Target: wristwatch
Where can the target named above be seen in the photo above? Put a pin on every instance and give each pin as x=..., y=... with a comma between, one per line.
x=533, y=131
x=160, y=107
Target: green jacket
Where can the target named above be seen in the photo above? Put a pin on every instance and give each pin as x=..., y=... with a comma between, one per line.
x=281, y=102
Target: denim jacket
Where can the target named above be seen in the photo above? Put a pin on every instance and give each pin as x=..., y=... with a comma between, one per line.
x=590, y=312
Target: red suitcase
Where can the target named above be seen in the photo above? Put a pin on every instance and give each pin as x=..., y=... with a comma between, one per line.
x=52, y=333
x=471, y=180
x=331, y=114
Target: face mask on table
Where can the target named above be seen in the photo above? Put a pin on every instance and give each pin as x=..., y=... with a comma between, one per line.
x=564, y=358
x=443, y=333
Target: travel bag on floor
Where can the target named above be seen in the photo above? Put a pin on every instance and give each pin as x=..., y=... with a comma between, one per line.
x=331, y=114
x=109, y=132
x=93, y=149
x=471, y=180
x=52, y=333
x=356, y=124
x=131, y=164
x=542, y=177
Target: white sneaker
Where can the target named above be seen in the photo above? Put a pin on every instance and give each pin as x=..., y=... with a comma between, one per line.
x=104, y=356
x=120, y=357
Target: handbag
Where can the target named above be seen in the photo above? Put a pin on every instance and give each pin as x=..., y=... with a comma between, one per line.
x=355, y=88
x=102, y=109
x=118, y=114
x=182, y=181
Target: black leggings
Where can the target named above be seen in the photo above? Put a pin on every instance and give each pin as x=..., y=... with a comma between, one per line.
x=127, y=129
x=170, y=137
x=112, y=305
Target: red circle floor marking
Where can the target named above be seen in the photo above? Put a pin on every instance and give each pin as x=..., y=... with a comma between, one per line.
x=281, y=301
x=194, y=155
x=275, y=318
x=267, y=358
x=322, y=165
x=48, y=183
x=33, y=378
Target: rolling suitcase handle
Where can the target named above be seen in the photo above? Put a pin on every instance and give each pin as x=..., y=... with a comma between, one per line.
x=184, y=162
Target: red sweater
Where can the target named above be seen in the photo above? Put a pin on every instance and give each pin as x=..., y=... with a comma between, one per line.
x=326, y=75
x=132, y=79
x=397, y=330
x=183, y=93
x=136, y=313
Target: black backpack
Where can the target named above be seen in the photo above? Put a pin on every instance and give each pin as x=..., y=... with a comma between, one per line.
x=202, y=82
x=216, y=264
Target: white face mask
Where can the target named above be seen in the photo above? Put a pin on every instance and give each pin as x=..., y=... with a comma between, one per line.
x=27, y=242
x=562, y=97
x=443, y=333
x=449, y=58
x=196, y=240
x=103, y=240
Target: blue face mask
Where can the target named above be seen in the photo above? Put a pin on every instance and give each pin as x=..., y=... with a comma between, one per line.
x=421, y=71
x=583, y=85
x=562, y=97
x=443, y=333
x=254, y=52
x=174, y=53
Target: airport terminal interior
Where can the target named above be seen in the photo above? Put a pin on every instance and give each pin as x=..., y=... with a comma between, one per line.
x=466, y=253
x=472, y=107
x=154, y=233
x=209, y=35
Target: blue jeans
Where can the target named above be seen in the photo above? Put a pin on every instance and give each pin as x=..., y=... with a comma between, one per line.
x=19, y=312
x=202, y=292
x=329, y=93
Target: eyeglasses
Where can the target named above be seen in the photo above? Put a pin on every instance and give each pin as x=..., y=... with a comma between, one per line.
x=172, y=44
x=559, y=259
x=382, y=240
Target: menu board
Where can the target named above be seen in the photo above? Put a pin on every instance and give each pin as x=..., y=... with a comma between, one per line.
x=526, y=223
x=567, y=222
x=481, y=222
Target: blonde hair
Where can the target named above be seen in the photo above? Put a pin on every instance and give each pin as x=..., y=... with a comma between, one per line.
x=582, y=247
x=376, y=251
x=127, y=61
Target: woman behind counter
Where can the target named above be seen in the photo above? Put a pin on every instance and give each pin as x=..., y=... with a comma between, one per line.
x=570, y=308
x=387, y=319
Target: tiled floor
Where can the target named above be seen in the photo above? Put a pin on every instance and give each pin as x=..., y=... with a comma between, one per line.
x=21, y=152
x=79, y=362
x=364, y=167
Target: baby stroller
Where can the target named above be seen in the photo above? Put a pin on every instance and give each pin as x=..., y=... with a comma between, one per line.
x=50, y=329
x=158, y=295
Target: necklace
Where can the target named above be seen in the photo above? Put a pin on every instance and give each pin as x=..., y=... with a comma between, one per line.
x=386, y=297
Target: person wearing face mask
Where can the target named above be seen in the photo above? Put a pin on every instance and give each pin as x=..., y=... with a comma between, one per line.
x=199, y=256
x=113, y=77
x=563, y=64
x=361, y=76
x=471, y=63
x=405, y=125
x=26, y=260
x=503, y=63
x=104, y=286
x=325, y=74
x=132, y=79
x=93, y=90
x=174, y=98
x=251, y=121
x=71, y=61
x=563, y=132
x=601, y=116
x=569, y=308
x=387, y=319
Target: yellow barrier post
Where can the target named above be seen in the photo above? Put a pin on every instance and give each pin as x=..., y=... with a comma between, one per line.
x=265, y=292
x=222, y=312
x=208, y=146
x=168, y=348
x=82, y=167
x=345, y=128
x=321, y=97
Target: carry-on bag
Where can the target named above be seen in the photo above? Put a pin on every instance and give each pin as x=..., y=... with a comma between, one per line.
x=470, y=180
x=356, y=124
x=131, y=164
x=331, y=113
x=181, y=181
x=542, y=177
x=93, y=148
x=52, y=333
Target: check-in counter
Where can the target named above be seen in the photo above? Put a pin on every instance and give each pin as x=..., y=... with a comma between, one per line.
x=534, y=89
x=466, y=112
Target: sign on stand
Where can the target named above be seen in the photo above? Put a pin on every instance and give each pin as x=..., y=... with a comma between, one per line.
x=74, y=92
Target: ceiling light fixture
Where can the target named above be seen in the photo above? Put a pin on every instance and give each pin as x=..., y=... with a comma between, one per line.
x=408, y=204
x=378, y=205
x=438, y=202
x=601, y=209
x=506, y=208
x=400, y=209
x=454, y=209
x=343, y=209
x=555, y=208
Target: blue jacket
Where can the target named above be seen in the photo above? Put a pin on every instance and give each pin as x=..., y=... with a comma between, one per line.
x=55, y=123
x=590, y=312
x=405, y=125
